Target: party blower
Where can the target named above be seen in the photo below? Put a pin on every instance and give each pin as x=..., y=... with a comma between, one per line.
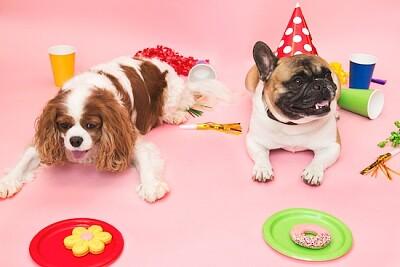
x=203, y=71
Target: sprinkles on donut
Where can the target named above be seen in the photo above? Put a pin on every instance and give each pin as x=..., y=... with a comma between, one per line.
x=310, y=236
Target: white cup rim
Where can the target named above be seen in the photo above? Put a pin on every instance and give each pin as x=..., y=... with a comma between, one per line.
x=204, y=66
x=61, y=50
x=375, y=104
x=364, y=59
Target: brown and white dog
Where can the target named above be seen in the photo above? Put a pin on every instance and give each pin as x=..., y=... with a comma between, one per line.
x=99, y=116
x=294, y=108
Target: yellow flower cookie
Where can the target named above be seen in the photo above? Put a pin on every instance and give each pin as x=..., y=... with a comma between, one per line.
x=84, y=240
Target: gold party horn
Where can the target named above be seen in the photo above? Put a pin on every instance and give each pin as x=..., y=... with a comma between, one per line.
x=229, y=128
x=380, y=164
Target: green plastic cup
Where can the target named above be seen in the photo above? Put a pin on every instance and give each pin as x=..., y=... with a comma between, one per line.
x=367, y=103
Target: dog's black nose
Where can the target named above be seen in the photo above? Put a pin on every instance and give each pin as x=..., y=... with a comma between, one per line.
x=76, y=141
x=319, y=85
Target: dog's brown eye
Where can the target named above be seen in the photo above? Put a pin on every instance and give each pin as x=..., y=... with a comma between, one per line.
x=328, y=75
x=298, y=81
x=64, y=125
x=90, y=125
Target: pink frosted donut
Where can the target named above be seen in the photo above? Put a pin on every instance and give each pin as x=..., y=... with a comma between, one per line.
x=310, y=236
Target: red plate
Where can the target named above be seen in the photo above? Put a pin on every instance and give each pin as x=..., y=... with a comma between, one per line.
x=47, y=247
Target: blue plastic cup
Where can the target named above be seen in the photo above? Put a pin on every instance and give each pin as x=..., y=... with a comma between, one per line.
x=361, y=69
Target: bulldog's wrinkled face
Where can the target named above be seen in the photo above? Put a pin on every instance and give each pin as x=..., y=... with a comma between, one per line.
x=302, y=86
x=296, y=88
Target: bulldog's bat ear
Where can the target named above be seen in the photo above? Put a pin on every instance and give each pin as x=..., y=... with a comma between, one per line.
x=265, y=60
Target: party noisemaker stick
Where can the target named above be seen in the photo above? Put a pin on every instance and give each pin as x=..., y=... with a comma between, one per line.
x=229, y=128
x=379, y=81
x=380, y=164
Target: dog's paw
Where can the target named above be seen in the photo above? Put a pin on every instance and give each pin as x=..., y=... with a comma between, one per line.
x=313, y=175
x=262, y=173
x=177, y=117
x=9, y=187
x=152, y=191
x=180, y=117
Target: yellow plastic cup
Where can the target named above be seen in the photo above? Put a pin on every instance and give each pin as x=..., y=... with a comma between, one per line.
x=62, y=59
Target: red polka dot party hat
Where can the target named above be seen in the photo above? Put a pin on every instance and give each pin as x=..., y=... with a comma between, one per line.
x=296, y=39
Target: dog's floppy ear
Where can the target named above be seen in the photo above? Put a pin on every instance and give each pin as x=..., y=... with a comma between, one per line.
x=48, y=141
x=118, y=136
x=265, y=60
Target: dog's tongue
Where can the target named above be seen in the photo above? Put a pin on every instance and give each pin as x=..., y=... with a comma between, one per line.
x=78, y=154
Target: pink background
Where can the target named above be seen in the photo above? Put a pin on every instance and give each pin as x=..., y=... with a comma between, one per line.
x=214, y=214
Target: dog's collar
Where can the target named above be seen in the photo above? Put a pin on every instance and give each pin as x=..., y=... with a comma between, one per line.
x=271, y=116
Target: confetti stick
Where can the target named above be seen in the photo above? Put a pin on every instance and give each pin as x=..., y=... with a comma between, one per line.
x=380, y=164
x=378, y=81
x=230, y=128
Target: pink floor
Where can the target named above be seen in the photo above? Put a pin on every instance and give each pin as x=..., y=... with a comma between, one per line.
x=214, y=213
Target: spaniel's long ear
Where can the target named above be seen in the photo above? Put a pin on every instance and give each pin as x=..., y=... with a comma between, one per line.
x=118, y=135
x=48, y=140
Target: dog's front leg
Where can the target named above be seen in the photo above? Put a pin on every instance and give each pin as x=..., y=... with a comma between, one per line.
x=323, y=158
x=262, y=170
x=12, y=182
x=150, y=166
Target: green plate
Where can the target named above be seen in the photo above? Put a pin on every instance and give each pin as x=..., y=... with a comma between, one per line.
x=276, y=231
